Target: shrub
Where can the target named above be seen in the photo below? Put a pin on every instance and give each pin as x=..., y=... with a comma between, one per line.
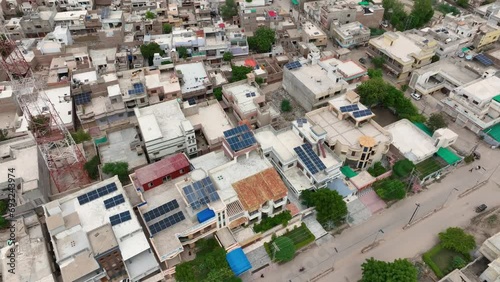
x=285, y=249
x=427, y=258
x=92, y=168
x=455, y=239
x=228, y=56
x=391, y=189
x=286, y=106
x=468, y=159
x=117, y=168
x=80, y=136
x=403, y=168
x=270, y=222
x=218, y=93
x=457, y=263
x=377, y=169
x=259, y=80
x=404, y=87
x=378, y=62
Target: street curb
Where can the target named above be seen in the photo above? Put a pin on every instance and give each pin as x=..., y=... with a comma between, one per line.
x=473, y=188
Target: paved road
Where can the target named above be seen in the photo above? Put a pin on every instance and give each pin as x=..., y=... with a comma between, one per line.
x=396, y=242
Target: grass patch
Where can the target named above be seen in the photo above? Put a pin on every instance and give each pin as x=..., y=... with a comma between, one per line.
x=492, y=220
x=301, y=237
x=440, y=260
x=427, y=167
x=270, y=222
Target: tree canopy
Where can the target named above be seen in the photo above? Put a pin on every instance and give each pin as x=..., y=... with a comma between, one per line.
x=403, y=168
x=375, y=73
x=239, y=73
x=92, y=168
x=117, y=168
x=420, y=15
x=286, y=106
x=455, y=238
x=283, y=249
x=377, y=169
x=148, y=51
x=390, y=189
x=218, y=93
x=4, y=133
x=376, y=91
x=182, y=52
x=229, y=9
x=263, y=40
x=400, y=270
x=150, y=15
x=330, y=206
x=228, y=56
x=436, y=121
x=378, y=62
x=167, y=28
x=79, y=136
x=463, y=3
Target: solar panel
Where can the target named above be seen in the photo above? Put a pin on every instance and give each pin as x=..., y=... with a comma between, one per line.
x=201, y=193
x=138, y=88
x=305, y=160
x=161, y=210
x=362, y=113
x=235, y=131
x=252, y=94
x=349, y=108
x=314, y=158
x=166, y=222
x=483, y=60
x=119, y=218
x=293, y=65
x=192, y=101
x=114, y=201
x=81, y=99
x=95, y=194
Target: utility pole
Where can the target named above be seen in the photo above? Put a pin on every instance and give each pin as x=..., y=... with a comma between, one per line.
x=275, y=248
x=414, y=213
x=376, y=236
x=410, y=183
x=449, y=194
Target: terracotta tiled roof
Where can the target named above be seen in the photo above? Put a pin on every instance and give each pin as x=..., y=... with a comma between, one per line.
x=259, y=188
x=161, y=168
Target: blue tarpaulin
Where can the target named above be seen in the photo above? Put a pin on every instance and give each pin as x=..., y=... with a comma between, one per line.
x=339, y=186
x=238, y=261
x=205, y=215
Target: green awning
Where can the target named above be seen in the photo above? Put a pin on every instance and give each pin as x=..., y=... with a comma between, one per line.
x=494, y=132
x=424, y=128
x=497, y=98
x=364, y=3
x=348, y=172
x=295, y=2
x=465, y=49
x=447, y=155
x=101, y=140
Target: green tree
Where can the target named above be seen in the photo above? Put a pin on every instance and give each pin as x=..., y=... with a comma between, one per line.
x=259, y=80
x=182, y=51
x=390, y=189
x=403, y=168
x=229, y=10
x=330, y=206
x=401, y=270
x=239, y=73
x=307, y=198
x=117, y=168
x=372, y=91
x=455, y=238
x=458, y=262
x=446, y=9
x=436, y=121
x=286, y=106
x=463, y=3
x=80, y=136
x=218, y=93
x=283, y=249
x=421, y=13
x=263, y=40
x=377, y=169
x=150, y=15
x=375, y=73
x=148, y=51
x=378, y=62
x=434, y=58
x=394, y=12
x=92, y=167
x=227, y=57
x=4, y=134
x=167, y=28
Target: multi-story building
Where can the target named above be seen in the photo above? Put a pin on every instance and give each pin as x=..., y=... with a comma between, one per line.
x=248, y=103
x=74, y=20
x=312, y=34
x=441, y=76
x=13, y=29
x=486, y=36
x=351, y=34
x=95, y=234
x=162, y=86
x=76, y=5
x=475, y=105
x=350, y=131
x=165, y=130
x=195, y=83
x=402, y=52
x=238, y=43
x=313, y=82
x=38, y=23
x=491, y=12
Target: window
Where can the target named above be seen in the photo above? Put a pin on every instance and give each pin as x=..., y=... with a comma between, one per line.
x=38, y=26
x=142, y=100
x=181, y=171
x=475, y=102
x=348, y=15
x=150, y=184
x=465, y=96
x=353, y=154
x=365, y=149
x=267, y=155
x=290, y=165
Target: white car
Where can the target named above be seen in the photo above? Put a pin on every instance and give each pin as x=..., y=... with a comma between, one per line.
x=416, y=96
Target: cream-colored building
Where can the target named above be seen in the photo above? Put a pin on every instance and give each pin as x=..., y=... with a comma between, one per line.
x=351, y=132
x=313, y=34
x=491, y=250
x=403, y=52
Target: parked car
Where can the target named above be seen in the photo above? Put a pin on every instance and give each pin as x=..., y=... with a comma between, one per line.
x=416, y=96
x=362, y=60
x=481, y=208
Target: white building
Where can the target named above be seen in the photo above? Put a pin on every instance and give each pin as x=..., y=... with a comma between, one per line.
x=74, y=20
x=95, y=234
x=165, y=130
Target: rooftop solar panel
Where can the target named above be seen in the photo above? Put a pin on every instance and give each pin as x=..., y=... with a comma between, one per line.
x=161, y=210
x=82, y=99
x=293, y=65
x=166, y=223
x=483, y=60
x=119, y=218
x=314, y=157
x=94, y=194
x=362, y=113
x=200, y=193
x=114, y=201
x=349, y=108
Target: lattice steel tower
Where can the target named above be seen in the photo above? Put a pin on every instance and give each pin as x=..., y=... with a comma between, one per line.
x=62, y=156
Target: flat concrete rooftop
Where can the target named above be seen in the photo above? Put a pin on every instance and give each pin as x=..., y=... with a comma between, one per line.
x=412, y=142
x=118, y=149
x=213, y=121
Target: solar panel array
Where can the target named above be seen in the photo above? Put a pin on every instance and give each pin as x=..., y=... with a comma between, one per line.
x=94, y=194
x=114, y=201
x=167, y=222
x=362, y=113
x=349, y=108
x=483, y=59
x=81, y=99
x=312, y=162
x=161, y=210
x=293, y=65
x=239, y=138
x=201, y=193
x=192, y=101
x=119, y=218
x=301, y=121
x=251, y=94
x=138, y=89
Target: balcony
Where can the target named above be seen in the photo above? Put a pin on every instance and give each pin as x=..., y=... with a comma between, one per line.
x=266, y=208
